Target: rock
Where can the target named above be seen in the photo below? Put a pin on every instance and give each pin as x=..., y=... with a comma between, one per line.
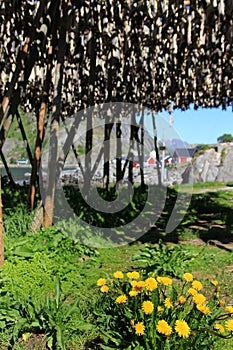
x=225, y=173
x=214, y=165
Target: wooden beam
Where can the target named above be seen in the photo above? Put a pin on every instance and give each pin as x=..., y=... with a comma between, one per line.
x=12, y=182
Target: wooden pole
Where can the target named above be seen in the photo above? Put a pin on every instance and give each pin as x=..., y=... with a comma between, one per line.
x=118, y=150
x=156, y=149
x=52, y=164
x=53, y=9
x=12, y=183
x=141, y=155
x=107, y=132
x=24, y=136
x=71, y=134
x=1, y=229
x=40, y=130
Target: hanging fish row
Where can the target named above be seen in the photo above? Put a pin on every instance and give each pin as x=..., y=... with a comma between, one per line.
x=154, y=53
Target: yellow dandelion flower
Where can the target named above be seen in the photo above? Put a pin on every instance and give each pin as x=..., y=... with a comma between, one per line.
x=229, y=309
x=192, y=291
x=133, y=293
x=199, y=298
x=160, y=309
x=139, y=286
x=133, y=274
x=214, y=282
x=164, y=328
x=197, y=285
x=133, y=283
x=222, y=302
x=219, y=327
x=147, y=307
x=151, y=284
x=104, y=289
x=167, y=303
x=204, y=309
x=182, y=299
x=188, y=277
x=166, y=281
x=229, y=325
x=121, y=299
x=118, y=274
x=139, y=328
x=132, y=322
x=182, y=328
x=101, y=282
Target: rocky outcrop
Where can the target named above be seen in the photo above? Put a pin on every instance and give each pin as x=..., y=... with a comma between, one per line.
x=215, y=164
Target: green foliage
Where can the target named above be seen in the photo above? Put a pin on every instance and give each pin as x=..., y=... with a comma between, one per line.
x=14, y=198
x=29, y=123
x=53, y=315
x=201, y=150
x=81, y=150
x=223, y=156
x=13, y=160
x=28, y=278
x=225, y=138
x=18, y=222
x=163, y=259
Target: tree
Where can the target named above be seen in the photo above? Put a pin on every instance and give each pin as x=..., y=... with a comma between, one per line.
x=225, y=138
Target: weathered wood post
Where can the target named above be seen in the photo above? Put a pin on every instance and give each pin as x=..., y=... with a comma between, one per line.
x=54, y=128
x=1, y=229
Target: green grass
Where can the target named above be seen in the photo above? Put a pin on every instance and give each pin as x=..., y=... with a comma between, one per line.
x=199, y=187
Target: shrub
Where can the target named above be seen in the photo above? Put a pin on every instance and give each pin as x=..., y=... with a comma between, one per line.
x=161, y=313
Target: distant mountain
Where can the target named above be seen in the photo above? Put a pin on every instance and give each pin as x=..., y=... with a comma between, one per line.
x=175, y=143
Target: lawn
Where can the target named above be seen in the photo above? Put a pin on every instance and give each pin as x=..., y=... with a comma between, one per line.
x=49, y=293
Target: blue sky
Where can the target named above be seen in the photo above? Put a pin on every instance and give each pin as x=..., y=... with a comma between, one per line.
x=201, y=126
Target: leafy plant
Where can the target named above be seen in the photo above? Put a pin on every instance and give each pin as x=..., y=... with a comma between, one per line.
x=55, y=316
x=52, y=315
x=51, y=241
x=17, y=223
x=160, y=313
x=23, y=279
x=163, y=259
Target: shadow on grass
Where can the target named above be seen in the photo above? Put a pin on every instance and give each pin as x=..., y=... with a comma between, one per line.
x=209, y=217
